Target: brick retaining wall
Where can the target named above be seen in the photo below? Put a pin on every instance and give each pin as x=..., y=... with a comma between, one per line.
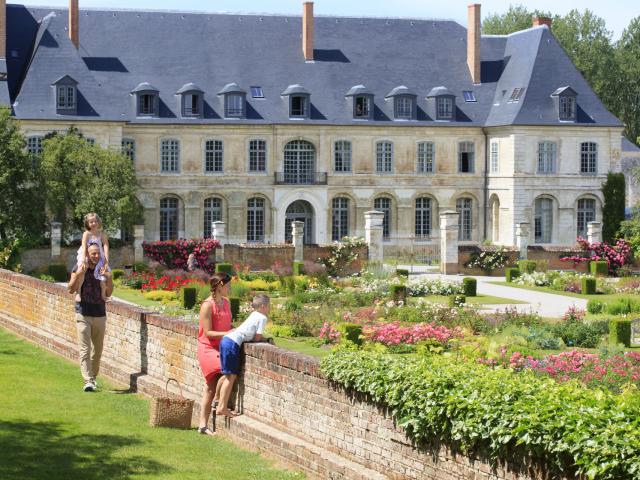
x=290, y=410
x=40, y=258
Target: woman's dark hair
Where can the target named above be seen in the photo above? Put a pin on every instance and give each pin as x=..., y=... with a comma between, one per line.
x=219, y=278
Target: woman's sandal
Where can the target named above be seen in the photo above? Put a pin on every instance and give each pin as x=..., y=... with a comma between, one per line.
x=206, y=431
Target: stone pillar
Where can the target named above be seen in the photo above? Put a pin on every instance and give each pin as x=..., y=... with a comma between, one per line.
x=522, y=239
x=594, y=232
x=218, y=230
x=56, y=239
x=297, y=234
x=138, y=238
x=373, y=234
x=449, y=227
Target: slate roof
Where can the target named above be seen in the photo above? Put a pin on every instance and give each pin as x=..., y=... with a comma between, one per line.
x=629, y=147
x=122, y=49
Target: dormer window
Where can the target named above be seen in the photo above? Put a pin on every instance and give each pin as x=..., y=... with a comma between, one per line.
x=441, y=104
x=191, y=100
x=147, y=100
x=66, y=95
x=362, y=100
x=234, y=101
x=565, y=99
x=404, y=103
x=299, y=101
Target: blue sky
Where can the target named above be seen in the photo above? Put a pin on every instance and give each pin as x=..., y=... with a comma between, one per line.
x=617, y=13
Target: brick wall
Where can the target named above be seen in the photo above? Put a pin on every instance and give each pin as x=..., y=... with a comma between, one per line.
x=40, y=258
x=290, y=410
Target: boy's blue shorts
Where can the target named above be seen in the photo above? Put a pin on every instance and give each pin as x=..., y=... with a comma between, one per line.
x=229, y=357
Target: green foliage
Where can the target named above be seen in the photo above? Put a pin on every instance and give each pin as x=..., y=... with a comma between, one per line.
x=488, y=260
x=140, y=267
x=581, y=333
x=402, y=272
x=224, y=268
x=630, y=229
x=285, y=331
x=298, y=268
x=288, y=284
x=399, y=292
x=512, y=273
x=116, y=273
x=527, y=266
x=342, y=255
x=350, y=332
x=498, y=413
x=620, y=332
x=188, y=297
x=588, y=285
x=516, y=18
x=628, y=59
x=457, y=300
x=59, y=272
x=623, y=306
x=234, y=303
x=10, y=255
x=613, y=191
x=599, y=268
x=238, y=289
x=81, y=178
x=469, y=285
x=46, y=278
x=595, y=306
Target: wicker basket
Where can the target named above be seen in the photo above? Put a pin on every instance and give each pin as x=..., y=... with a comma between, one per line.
x=171, y=411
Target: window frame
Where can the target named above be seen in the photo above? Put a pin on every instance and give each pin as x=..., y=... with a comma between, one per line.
x=209, y=211
x=463, y=148
x=368, y=100
x=543, y=220
x=214, y=153
x=547, y=148
x=153, y=101
x=128, y=148
x=258, y=212
x=494, y=157
x=423, y=218
x=236, y=110
x=384, y=158
x=339, y=218
x=564, y=114
x=195, y=99
x=424, y=164
x=583, y=212
x=66, y=97
x=165, y=163
x=404, y=107
x=588, y=158
x=465, y=222
x=257, y=152
x=305, y=105
x=343, y=151
x=441, y=102
x=168, y=222
x=386, y=220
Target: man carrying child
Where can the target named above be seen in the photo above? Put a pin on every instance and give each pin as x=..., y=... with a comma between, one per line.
x=231, y=346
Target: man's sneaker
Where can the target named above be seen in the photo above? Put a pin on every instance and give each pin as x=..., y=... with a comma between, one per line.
x=95, y=384
x=89, y=387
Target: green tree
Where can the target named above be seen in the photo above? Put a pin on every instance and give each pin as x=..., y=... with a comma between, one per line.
x=21, y=199
x=518, y=17
x=628, y=90
x=81, y=178
x=613, y=190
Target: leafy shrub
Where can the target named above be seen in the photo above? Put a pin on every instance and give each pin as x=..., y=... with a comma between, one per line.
x=544, y=339
x=250, y=276
x=402, y=272
x=623, y=306
x=399, y=292
x=10, y=255
x=288, y=284
x=588, y=286
x=469, y=285
x=342, y=255
x=527, y=266
x=581, y=333
x=595, y=306
x=599, y=268
x=457, y=300
x=188, y=297
x=162, y=296
x=350, y=332
x=620, y=332
x=238, y=289
x=116, y=273
x=224, y=268
x=280, y=330
x=298, y=268
x=261, y=285
x=616, y=256
x=497, y=411
x=174, y=254
x=512, y=273
x=423, y=288
x=140, y=267
x=58, y=271
x=135, y=280
x=46, y=277
x=488, y=260
x=234, y=304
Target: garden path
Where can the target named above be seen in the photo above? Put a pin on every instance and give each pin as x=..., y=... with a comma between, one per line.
x=546, y=304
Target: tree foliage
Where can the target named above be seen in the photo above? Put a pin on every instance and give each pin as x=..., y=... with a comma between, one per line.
x=613, y=191
x=81, y=178
x=517, y=18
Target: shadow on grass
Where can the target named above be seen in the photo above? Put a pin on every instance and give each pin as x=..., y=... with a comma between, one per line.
x=45, y=451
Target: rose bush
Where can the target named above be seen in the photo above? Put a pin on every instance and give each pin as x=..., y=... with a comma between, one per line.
x=174, y=253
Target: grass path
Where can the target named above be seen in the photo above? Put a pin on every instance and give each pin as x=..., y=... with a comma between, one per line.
x=50, y=430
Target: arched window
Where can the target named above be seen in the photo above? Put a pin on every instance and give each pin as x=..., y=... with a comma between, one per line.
x=339, y=218
x=383, y=204
x=299, y=162
x=543, y=220
x=384, y=157
x=168, y=218
x=586, y=213
x=423, y=217
x=212, y=213
x=255, y=220
x=464, y=208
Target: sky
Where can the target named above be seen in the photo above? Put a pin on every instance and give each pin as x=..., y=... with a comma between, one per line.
x=617, y=13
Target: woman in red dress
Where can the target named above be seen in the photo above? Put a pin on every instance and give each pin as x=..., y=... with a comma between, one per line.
x=215, y=322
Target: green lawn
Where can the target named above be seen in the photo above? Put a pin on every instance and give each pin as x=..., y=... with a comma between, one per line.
x=133, y=296
x=601, y=297
x=50, y=429
x=300, y=347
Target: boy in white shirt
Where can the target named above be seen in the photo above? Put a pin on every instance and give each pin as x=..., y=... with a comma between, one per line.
x=231, y=346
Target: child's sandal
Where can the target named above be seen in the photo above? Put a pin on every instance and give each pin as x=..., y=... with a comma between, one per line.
x=206, y=431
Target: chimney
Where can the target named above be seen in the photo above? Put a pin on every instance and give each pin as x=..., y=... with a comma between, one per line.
x=73, y=22
x=307, y=31
x=537, y=21
x=3, y=29
x=473, y=41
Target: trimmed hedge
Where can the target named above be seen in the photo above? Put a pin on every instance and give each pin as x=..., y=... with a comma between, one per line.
x=58, y=272
x=402, y=272
x=595, y=306
x=620, y=332
x=350, y=332
x=511, y=273
x=588, y=286
x=188, y=297
x=469, y=286
x=234, y=304
x=140, y=267
x=399, y=292
x=457, y=300
x=527, y=266
x=505, y=415
x=298, y=268
x=599, y=268
x=224, y=267
x=116, y=273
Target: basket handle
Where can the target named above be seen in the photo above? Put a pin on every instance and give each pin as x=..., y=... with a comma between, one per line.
x=166, y=387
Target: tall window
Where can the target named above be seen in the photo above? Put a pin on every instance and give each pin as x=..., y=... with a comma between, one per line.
x=257, y=156
x=588, y=157
x=425, y=157
x=567, y=107
x=213, y=156
x=383, y=204
x=463, y=207
x=543, y=220
x=423, y=217
x=233, y=105
x=384, y=157
x=546, y=157
x=362, y=107
x=466, y=157
x=404, y=108
x=342, y=156
x=494, y=157
x=339, y=218
x=255, y=220
x=146, y=104
x=170, y=156
x=66, y=97
x=168, y=218
x=212, y=213
x=444, y=108
x=191, y=105
x=586, y=213
x=128, y=147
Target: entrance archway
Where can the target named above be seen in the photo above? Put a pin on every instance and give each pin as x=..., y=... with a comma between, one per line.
x=300, y=211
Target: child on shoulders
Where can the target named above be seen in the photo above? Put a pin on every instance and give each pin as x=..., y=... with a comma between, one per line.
x=94, y=235
x=231, y=345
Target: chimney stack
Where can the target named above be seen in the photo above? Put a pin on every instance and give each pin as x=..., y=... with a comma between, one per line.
x=3, y=29
x=473, y=41
x=307, y=31
x=537, y=21
x=73, y=22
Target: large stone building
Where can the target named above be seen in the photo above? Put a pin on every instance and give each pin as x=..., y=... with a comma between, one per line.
x=257, y=120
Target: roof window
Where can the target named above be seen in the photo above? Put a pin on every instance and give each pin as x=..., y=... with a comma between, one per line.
x=469, y=96
x=256, y=92
x=516, y=95
x=362, y=102
x=565, y=100
x=299, y=101
x=191, y=100
x=66, y=92
x=234, y=101
x=147, y=100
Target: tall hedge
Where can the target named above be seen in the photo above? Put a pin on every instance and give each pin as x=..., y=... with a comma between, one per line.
x=613, y=191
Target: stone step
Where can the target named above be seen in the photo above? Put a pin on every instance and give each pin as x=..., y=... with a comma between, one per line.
x=298, y=453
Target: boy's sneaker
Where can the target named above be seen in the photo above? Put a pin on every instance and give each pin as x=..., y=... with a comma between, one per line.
x=89, y=387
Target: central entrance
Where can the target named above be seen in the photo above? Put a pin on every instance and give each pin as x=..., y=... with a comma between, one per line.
x=300, y=211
